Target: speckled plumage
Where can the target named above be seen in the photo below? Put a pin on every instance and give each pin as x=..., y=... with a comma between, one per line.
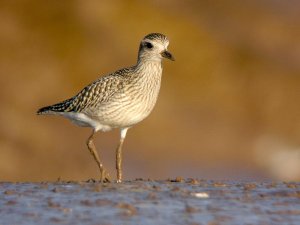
x=100, y=91
x=120, y=99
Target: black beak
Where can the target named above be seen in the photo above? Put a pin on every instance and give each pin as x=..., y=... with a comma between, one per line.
x=167, y=55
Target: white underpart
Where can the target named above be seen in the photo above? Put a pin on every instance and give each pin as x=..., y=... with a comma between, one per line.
x=83, y=120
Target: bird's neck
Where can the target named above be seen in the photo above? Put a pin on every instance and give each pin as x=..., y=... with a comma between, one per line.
x=149, y=67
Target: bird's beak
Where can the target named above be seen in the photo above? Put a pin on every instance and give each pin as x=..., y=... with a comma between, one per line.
x=167, y=55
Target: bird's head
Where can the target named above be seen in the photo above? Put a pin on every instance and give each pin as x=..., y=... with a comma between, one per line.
x=153, y=47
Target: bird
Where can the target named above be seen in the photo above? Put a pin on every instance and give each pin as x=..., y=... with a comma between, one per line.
x=118, y=100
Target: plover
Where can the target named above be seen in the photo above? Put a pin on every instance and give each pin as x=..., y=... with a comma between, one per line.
x=118, y=100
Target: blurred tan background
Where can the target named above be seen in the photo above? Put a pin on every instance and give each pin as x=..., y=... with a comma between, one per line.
x=228, y=107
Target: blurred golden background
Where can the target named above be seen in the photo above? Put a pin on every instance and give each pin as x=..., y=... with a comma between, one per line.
x=228, y=107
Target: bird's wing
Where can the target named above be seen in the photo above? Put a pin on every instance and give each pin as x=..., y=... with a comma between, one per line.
x=97, y=92
x=100, y=91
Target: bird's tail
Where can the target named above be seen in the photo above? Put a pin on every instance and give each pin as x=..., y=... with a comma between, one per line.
x=64, y=106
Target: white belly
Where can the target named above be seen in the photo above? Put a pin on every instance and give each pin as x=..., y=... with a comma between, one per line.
x=83, y=120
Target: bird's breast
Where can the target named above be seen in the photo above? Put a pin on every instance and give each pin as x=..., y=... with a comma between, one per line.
x=130, y=105
x=137, y=103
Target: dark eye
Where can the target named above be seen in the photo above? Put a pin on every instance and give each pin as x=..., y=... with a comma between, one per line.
x=148, y=45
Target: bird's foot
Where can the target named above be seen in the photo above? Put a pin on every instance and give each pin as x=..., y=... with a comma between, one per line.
x=105, y=177
x=119, y=181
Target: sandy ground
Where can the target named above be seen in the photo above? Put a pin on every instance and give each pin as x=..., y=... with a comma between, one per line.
x=177, y=201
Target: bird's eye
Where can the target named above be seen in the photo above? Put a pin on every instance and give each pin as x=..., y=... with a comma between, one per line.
x=148, y=45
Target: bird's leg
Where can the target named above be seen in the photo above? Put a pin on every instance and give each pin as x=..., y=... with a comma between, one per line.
x=93, y=151
x=119, y=155
x=119, y=161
